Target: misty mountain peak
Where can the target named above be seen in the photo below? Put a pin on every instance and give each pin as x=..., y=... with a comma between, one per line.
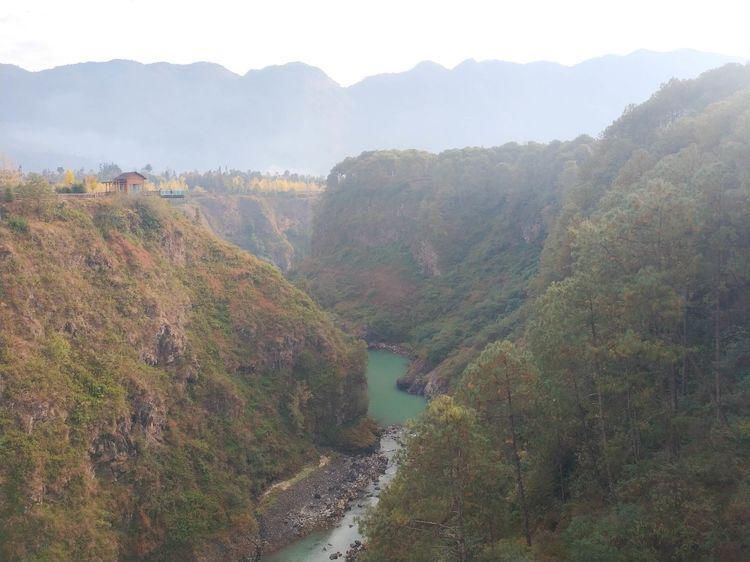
x=294, y=116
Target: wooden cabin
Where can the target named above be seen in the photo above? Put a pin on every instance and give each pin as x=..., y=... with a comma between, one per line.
x=129, y=182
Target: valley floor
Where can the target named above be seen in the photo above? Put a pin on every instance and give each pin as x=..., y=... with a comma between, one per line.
x=317, y=498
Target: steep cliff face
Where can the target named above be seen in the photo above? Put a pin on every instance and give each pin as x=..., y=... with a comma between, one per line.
x=273, y=226
x=435, y=251
x=153, y=380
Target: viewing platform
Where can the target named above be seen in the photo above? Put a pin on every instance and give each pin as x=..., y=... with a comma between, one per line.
x=172, y=193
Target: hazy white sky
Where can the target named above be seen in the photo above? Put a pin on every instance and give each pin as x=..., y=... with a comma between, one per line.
x=350, y=39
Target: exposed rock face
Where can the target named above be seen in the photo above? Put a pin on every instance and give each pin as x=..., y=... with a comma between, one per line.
x=173, y=242
x=434, y=384
x=531, y=232
x=169, y=345
x=109, y=448
x=31, y=411
x=115, y=445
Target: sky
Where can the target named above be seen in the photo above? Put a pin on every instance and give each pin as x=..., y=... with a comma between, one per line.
x=351, y=39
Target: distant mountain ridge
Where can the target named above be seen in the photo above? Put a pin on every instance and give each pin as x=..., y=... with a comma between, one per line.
x=294, y=116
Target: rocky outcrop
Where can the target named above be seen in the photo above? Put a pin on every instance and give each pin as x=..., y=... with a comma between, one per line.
x=355, y=549
x=412, y=381
x=169, y=345
x=98, y=261
x=424, y=379
x=115, y=445
x=173, y=242
x=31, y=411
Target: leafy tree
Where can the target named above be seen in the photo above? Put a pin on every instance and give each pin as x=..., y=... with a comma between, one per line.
x=446, y=470
x=497, y=385
x=69, y=178
x=107, y=171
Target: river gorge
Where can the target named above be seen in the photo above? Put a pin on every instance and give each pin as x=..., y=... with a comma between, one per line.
x=389, y=407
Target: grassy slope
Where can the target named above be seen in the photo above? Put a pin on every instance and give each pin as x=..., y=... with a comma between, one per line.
x=153, y=380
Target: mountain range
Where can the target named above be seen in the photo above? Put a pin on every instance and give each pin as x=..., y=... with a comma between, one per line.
x=295, y=117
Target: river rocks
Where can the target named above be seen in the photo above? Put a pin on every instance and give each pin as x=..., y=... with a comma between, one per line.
x=332, y=487
x=423, y=380
x=354, y=550
x=392, y=347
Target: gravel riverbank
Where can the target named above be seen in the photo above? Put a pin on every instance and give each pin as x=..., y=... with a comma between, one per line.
x=319, y=500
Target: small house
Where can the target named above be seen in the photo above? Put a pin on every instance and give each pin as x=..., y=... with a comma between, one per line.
x=129, y=182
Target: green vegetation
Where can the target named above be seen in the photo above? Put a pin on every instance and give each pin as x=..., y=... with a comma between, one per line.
x=18, y=224
x=585, y=304
x=616, y=426
x=237, y=181
x=219, y=181
x=154, y=380
x=275, y=226
x=436, y=251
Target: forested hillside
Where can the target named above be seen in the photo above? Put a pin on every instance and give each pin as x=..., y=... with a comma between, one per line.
x=616, y=423
x=273, y=226
x=436, y=251
x=153, y=381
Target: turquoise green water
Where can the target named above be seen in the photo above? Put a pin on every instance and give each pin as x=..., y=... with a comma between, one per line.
x=388, y=405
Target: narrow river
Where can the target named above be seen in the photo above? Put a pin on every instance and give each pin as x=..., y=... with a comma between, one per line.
x=388, y=406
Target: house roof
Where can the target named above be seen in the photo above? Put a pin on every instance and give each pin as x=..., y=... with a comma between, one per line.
x=129, y=175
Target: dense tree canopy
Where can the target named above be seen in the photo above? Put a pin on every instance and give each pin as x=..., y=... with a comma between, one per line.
x=436, y=251
x=623, y=410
